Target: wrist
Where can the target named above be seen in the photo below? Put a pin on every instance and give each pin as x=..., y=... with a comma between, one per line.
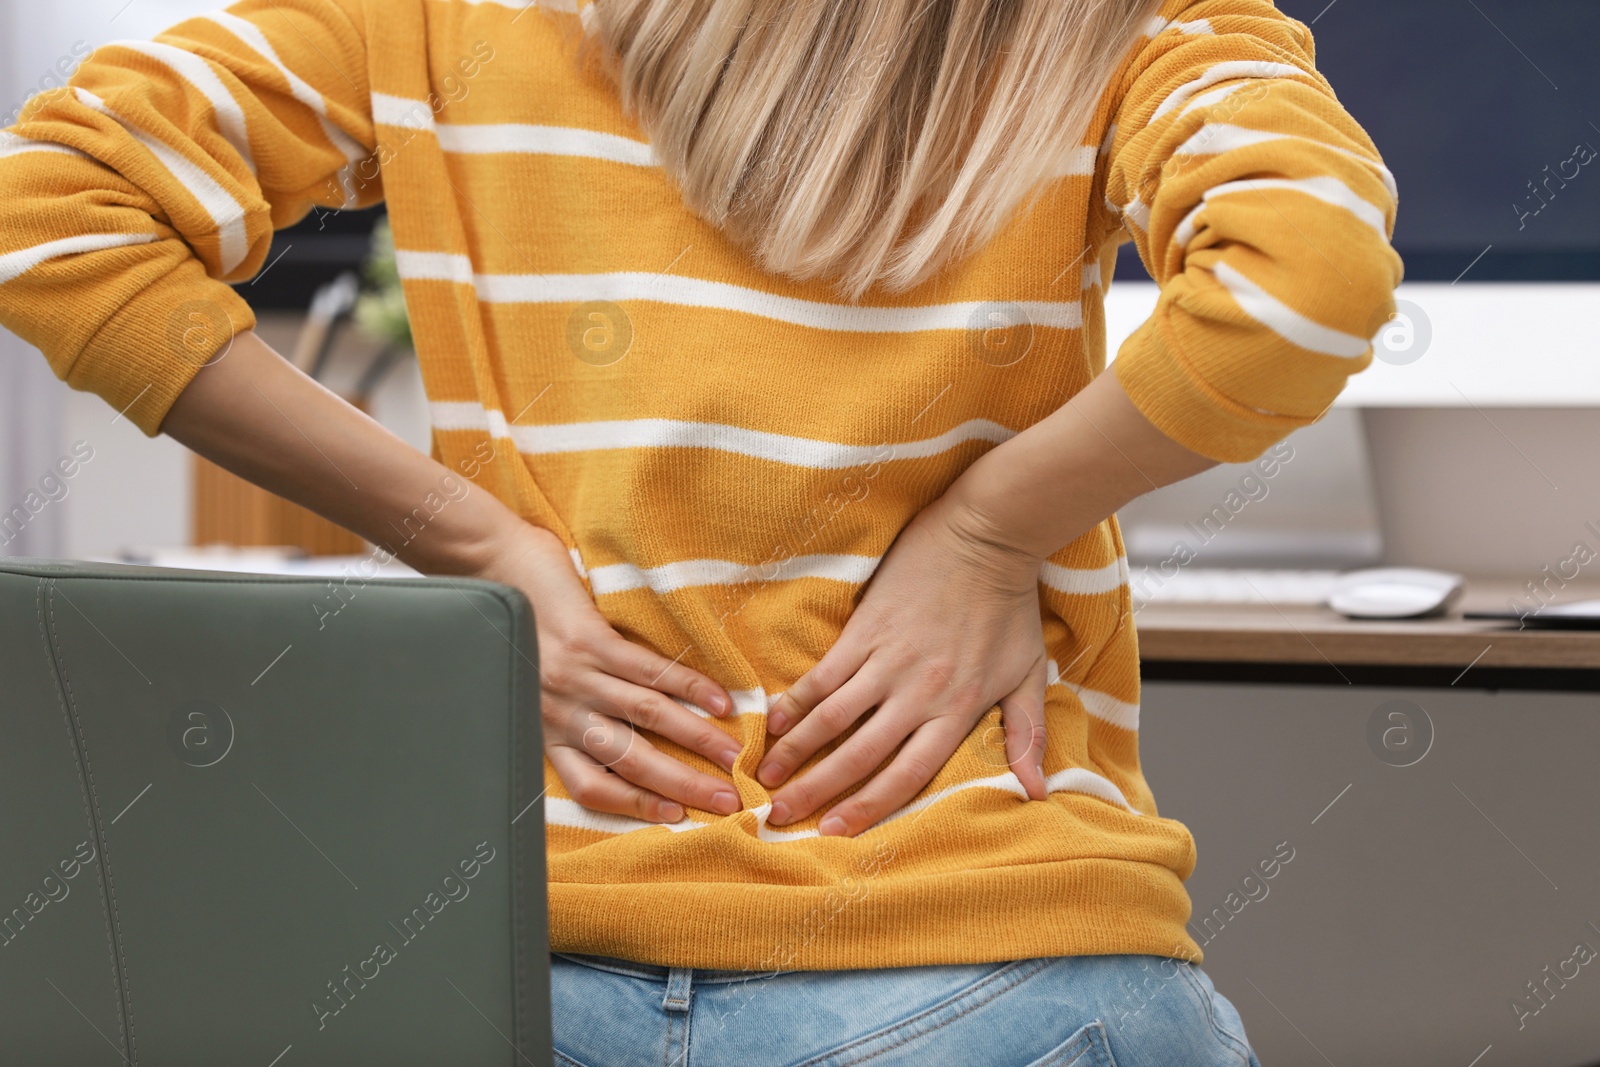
x=472, y=534
x=995, y=504
x=515, y=552
x=975, y=535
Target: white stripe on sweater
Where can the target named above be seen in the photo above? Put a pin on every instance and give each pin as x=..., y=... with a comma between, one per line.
x=779, y=448
x=1217, y=138
x=682, y=291
x=1137, y=212
x=1328, y=190
x=1069, y=780
x=543, y=140
x=498, y=137
x=251, y=34
x=226, y=213
x=435, y=266
x=698, y=292
x=560, y=812
x=13, y=145
x=1080, y=162
x=625, y=577
x=1090, y=276
x=15, y=264
x=745, y=702
x=1214, y=138
x=564, y=6
x=1106, y=707
x=199, y=74
x=1077, y=581
x=1286, y=322
x=1158, y=25
x=1232, y=70
x=1101, y=705
x=1216, y=96
x=401, y=111
x=674, y=433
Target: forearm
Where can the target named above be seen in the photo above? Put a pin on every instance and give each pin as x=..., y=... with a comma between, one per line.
x=256, y=415
x=1054, y=481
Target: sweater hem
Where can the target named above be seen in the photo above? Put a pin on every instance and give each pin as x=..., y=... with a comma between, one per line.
x=1076, y=907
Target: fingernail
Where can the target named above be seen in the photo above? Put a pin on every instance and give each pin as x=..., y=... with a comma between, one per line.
x=769, y=774
x=779, y=814
x=729, y=758
x=832, y=826
x=725, y=802
x=719, y=704
x=671, y=812
x=777, y=722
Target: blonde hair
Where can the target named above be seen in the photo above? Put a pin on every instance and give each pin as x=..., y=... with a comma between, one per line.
x=863, y=141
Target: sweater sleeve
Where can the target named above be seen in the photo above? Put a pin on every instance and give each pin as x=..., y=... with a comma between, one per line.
x=136, y=193
x=1263, y=211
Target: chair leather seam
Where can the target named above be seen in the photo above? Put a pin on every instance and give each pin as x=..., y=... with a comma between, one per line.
x=45, y=603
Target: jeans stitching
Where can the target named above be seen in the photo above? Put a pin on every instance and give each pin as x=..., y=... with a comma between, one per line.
x=1014, y=974
x=1102, y=1048
x=682, y=1059
x=1209, y=1007
x=612, y=968
x=1058, y=1058
x=1081, y=1042
x=651, y=972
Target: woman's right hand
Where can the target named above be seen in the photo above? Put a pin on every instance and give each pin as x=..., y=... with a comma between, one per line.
x=596, y=687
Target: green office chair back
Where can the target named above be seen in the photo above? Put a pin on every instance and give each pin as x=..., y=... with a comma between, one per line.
x=268, y=820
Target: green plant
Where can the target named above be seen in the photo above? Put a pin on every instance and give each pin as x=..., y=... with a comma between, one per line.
x=380, y=311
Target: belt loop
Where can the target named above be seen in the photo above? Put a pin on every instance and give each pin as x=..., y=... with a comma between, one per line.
x=680, y=988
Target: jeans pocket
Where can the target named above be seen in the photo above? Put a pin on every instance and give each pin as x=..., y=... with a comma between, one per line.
x=563, y=1060
x=1086, y=1048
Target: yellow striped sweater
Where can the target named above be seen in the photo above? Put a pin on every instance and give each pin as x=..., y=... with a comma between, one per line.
x=728, y=453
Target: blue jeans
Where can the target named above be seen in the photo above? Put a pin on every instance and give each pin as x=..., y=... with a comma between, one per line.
x=1075, y=1011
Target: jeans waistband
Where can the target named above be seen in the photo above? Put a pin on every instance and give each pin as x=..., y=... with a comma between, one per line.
x=654, y=972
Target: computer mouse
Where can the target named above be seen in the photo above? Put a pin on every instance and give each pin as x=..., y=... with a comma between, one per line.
x=1395, y=593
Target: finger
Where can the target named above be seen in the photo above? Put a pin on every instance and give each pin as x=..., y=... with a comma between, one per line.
x=919, y=759
x=616, y=747
x=647, y=709
x=623, y=659
x=842, y=768
x=827, y=721
x=832, y=671
x=598, y=789
x=1022, y=715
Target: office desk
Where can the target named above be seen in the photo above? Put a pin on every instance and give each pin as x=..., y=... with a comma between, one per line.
x=1292, y=644
x=1425, y=892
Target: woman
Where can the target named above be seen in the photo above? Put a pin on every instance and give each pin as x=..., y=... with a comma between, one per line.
x=730, y=308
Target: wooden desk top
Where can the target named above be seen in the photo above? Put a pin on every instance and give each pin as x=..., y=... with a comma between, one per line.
x=1269, y=634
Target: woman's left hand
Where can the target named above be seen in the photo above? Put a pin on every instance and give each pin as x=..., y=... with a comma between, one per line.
x=948, y=627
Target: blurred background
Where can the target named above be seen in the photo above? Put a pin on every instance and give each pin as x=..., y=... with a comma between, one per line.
x=1429, y=897
x=1479, y=107
x=150, y=499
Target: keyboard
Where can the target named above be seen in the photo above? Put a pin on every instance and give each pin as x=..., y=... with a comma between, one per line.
x=1225, y=585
